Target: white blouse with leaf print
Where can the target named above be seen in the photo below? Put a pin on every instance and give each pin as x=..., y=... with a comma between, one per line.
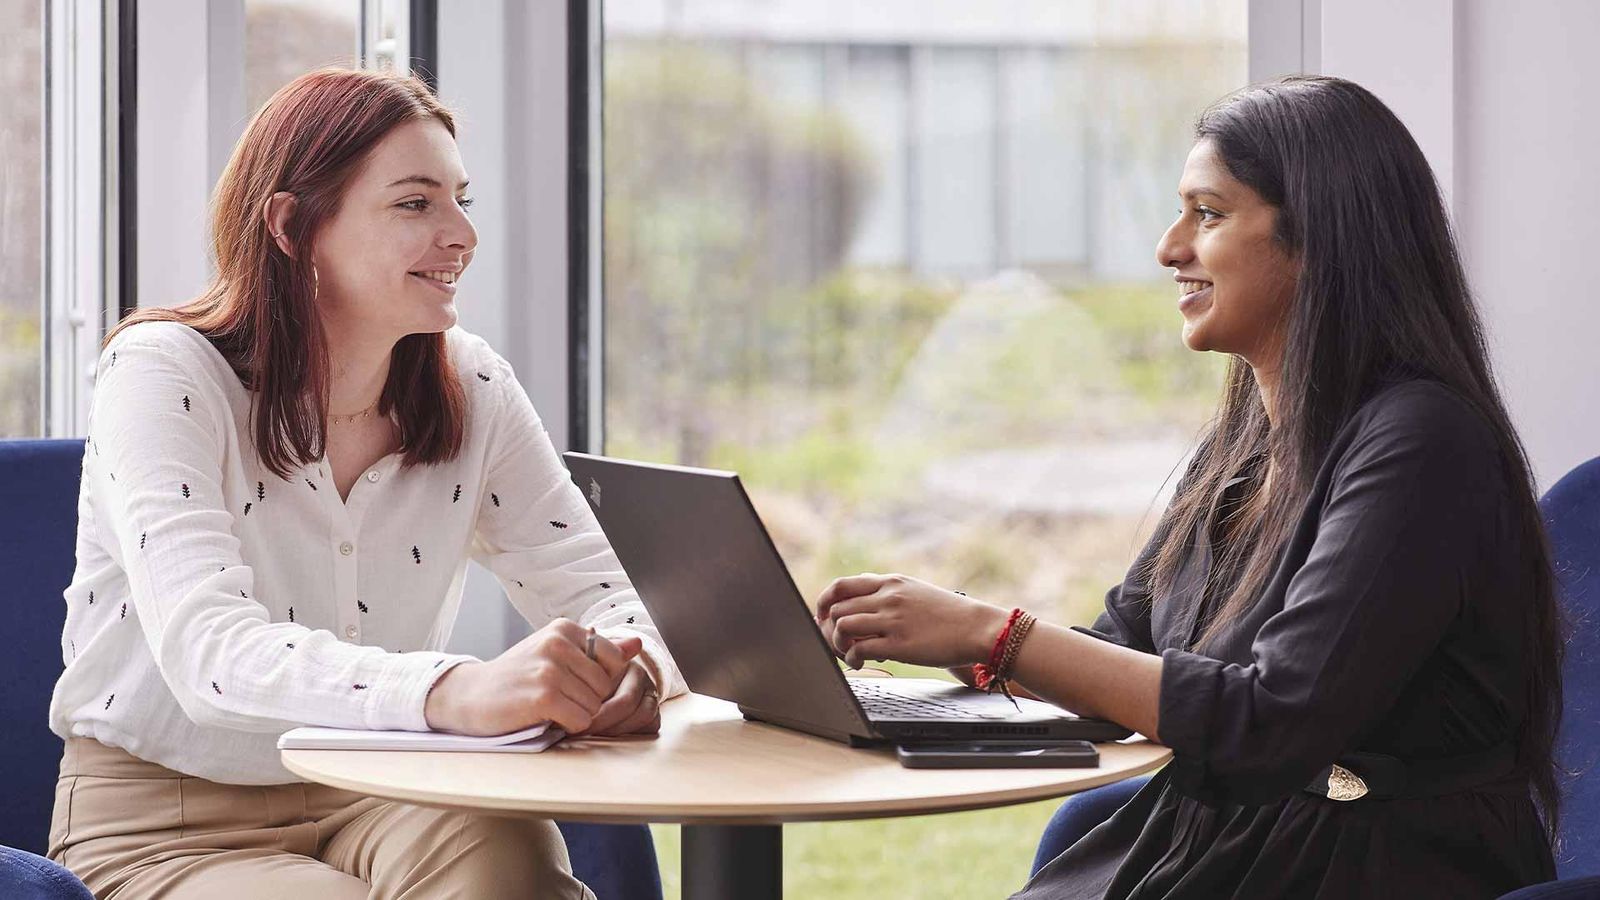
x=216, y=605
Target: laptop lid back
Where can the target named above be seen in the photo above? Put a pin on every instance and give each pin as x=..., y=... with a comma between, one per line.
x=716, y=587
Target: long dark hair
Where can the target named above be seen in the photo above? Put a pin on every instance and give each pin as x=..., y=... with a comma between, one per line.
x=1381, y=296
x=311, y=139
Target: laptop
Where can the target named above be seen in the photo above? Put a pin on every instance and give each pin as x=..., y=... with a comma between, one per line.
x=732, y=618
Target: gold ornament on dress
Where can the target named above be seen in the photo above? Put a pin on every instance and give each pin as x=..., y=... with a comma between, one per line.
x=1344, y=784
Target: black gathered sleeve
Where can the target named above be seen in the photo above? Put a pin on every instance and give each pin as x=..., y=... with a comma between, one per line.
x=1411, y=512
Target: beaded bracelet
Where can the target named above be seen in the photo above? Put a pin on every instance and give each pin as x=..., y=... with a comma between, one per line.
x=994, y=675
x=983, y=674
x=1008, y=658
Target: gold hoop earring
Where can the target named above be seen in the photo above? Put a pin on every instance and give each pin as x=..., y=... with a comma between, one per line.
x=316, y=283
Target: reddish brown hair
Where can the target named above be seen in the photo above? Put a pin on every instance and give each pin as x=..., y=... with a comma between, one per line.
x=310, y=139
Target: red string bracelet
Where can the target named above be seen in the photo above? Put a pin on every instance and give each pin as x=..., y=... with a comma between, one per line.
x=983, y=674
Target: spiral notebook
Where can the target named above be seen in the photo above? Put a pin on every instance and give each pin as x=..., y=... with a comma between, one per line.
x=528, y=740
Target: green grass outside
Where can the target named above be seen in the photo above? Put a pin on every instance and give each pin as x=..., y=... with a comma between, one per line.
x=978, y=854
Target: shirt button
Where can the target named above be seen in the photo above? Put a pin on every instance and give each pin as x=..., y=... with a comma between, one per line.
x=347, y=548
x=349, y=631
x=372, y=476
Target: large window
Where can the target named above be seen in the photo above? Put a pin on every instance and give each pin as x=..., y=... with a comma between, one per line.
x=21, y=217
x=894, y=263
x=900, y=273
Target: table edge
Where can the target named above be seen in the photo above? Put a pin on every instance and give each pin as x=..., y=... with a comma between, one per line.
x=712, y=814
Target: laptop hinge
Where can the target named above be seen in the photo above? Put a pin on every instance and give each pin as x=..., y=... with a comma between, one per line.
x=854, y=740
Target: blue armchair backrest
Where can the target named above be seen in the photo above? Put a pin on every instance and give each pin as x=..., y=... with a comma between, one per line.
x=1572, y=519
x=38, y=530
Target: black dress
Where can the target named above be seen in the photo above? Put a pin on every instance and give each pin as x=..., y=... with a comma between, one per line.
x=1393, y=624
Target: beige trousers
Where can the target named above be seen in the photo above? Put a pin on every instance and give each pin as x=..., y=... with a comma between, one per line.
x=132, y=829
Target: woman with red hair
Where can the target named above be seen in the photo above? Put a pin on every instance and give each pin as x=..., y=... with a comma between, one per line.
x=284, y=481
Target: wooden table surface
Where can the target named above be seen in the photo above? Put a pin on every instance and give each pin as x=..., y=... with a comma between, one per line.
x=708, y=766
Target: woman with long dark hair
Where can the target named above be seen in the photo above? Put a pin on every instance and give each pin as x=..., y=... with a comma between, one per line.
x=283, y=483
x=1344, y=624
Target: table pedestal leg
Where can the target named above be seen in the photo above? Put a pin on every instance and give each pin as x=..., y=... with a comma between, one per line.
x=733, y=862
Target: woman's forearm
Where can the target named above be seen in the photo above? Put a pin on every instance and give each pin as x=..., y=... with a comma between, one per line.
x=1091, y=677
x=871, y=616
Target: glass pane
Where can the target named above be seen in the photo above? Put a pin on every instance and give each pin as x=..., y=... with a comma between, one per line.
x=22, y=198
x=284, y=39
x=894, y=263
x=904, y=279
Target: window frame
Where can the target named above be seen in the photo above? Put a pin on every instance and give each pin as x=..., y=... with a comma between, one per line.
x=83, y=226
x=585, y=241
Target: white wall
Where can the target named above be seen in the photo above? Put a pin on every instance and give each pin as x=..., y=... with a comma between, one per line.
x=1527, y=202
x=191, y=97
x=1498, y=95
x=1405, y=53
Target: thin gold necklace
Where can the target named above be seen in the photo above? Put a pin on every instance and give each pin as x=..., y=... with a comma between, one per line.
x=345, y=419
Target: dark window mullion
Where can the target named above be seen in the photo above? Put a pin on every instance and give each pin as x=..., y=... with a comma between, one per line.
x=127, y=125
x=424, y=39
x=583, y=90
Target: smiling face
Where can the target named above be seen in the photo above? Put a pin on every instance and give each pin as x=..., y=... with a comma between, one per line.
x=387, y=262
x=1235, y=282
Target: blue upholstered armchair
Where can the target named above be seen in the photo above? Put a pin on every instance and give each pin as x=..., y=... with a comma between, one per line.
x=1572, y=519
x=38, y=524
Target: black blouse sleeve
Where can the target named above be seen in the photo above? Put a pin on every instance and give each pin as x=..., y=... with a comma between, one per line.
x=1410, y=515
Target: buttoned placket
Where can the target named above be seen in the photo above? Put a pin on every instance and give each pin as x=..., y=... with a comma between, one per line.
x=346, y=517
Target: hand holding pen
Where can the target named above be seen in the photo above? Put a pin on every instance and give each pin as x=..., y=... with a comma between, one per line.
x=635, y=707
x=562, y=673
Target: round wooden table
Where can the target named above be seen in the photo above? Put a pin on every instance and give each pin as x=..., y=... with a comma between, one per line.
x=730, y=782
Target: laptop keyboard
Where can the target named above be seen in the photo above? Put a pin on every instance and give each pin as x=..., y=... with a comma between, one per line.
x=882, y=704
